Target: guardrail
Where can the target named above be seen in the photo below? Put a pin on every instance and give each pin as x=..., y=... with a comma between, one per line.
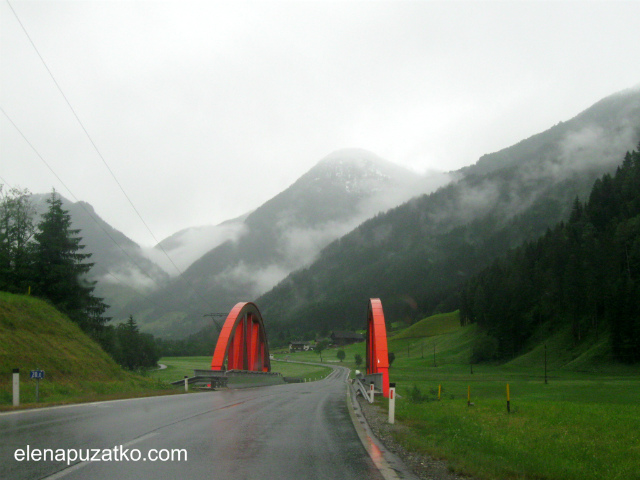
x=359, y=386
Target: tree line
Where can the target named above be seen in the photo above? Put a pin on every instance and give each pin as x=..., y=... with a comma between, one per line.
x=47, y=260
x=583, y=274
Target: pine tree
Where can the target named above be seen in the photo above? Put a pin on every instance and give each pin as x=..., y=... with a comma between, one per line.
x=60, y=268
x=134, y=349
x=127, y=334
x=16, y=231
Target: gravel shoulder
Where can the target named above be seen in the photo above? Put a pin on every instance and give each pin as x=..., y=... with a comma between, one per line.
x=423, y=466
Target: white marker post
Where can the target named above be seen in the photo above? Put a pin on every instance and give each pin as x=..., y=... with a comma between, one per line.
x=186, y=383
x=392, y=403
x=371, y=392
x=16, y=387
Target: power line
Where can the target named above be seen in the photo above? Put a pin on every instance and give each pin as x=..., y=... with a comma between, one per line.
x=102, y=157
x=36, y=151
x=128, y=285
x=89, y=214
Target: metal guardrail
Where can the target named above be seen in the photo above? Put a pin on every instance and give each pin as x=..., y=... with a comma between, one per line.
x=212, y=381
x=230, y=378
x=359, y=386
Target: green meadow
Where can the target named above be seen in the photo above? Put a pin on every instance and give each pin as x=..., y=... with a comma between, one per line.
x=178, y=367
x=584, y=424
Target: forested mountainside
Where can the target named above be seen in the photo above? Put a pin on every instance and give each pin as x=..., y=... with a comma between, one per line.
x=583, y=273
x=413, y=256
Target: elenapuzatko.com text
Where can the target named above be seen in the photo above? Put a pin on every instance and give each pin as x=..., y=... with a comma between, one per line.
x=115, y=454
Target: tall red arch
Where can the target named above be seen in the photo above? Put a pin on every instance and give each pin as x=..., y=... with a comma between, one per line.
x=377, y=351
x=242, y=344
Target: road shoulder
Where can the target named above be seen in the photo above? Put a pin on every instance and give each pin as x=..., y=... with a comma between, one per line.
x=423, y=467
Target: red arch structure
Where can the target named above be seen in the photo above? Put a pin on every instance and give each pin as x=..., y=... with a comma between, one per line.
x=242, y=343
x=377, y=351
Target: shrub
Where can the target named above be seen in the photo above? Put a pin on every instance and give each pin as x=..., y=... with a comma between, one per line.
x=485, y=348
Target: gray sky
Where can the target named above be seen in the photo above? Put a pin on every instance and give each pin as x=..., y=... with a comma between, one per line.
x=204, y=110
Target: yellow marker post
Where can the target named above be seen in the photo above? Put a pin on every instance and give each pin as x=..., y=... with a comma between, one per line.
x=508, y=400
x=439, y=391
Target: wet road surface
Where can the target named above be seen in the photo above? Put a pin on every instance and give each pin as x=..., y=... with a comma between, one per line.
x=296, y=431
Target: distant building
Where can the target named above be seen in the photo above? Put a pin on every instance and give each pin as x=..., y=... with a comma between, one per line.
x=346, y=338
x=300, y=347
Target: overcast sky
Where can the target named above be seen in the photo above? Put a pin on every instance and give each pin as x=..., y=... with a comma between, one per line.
x=204, y=110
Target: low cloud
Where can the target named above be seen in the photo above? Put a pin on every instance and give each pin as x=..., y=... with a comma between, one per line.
x=593, y=146
x=301, y=246
x=255, y=281
x=130, y=276
x=187, y=246
x=396, y=195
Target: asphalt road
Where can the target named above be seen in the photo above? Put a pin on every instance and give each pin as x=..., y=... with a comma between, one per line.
x=296, y=431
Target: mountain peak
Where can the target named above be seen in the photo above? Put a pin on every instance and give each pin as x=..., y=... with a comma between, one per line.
x=350, y=167
x=352, y=156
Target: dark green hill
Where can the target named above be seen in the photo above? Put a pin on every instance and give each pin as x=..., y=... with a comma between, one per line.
x=584, y=275
x=455, y=345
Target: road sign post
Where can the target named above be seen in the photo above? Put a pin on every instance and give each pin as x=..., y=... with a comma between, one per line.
x=16, y=387
x=37, y=374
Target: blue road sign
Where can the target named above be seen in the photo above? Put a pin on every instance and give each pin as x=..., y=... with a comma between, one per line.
x=37, y=374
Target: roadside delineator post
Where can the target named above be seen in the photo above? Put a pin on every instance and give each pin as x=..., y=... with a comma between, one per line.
x=186, y=383
x=439, y=391
x=16, y=387
x=508, y=400
x=469, y=396
x=392, y=403
x=371, y=392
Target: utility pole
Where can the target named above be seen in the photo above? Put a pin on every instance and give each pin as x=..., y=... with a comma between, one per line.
x=213, y=317
x=545, y=364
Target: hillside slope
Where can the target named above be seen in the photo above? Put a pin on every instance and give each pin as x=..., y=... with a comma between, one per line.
x=284, y=234
x=415, y=255
x=583, y=274
x=454, y=344
x=119, y=262
x=34, y=335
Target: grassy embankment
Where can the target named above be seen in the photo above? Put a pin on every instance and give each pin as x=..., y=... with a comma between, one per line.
x=34, y=335
x=584, y=424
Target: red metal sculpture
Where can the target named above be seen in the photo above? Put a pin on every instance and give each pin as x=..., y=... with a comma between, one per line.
x=377, y=351
x=242, y=343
